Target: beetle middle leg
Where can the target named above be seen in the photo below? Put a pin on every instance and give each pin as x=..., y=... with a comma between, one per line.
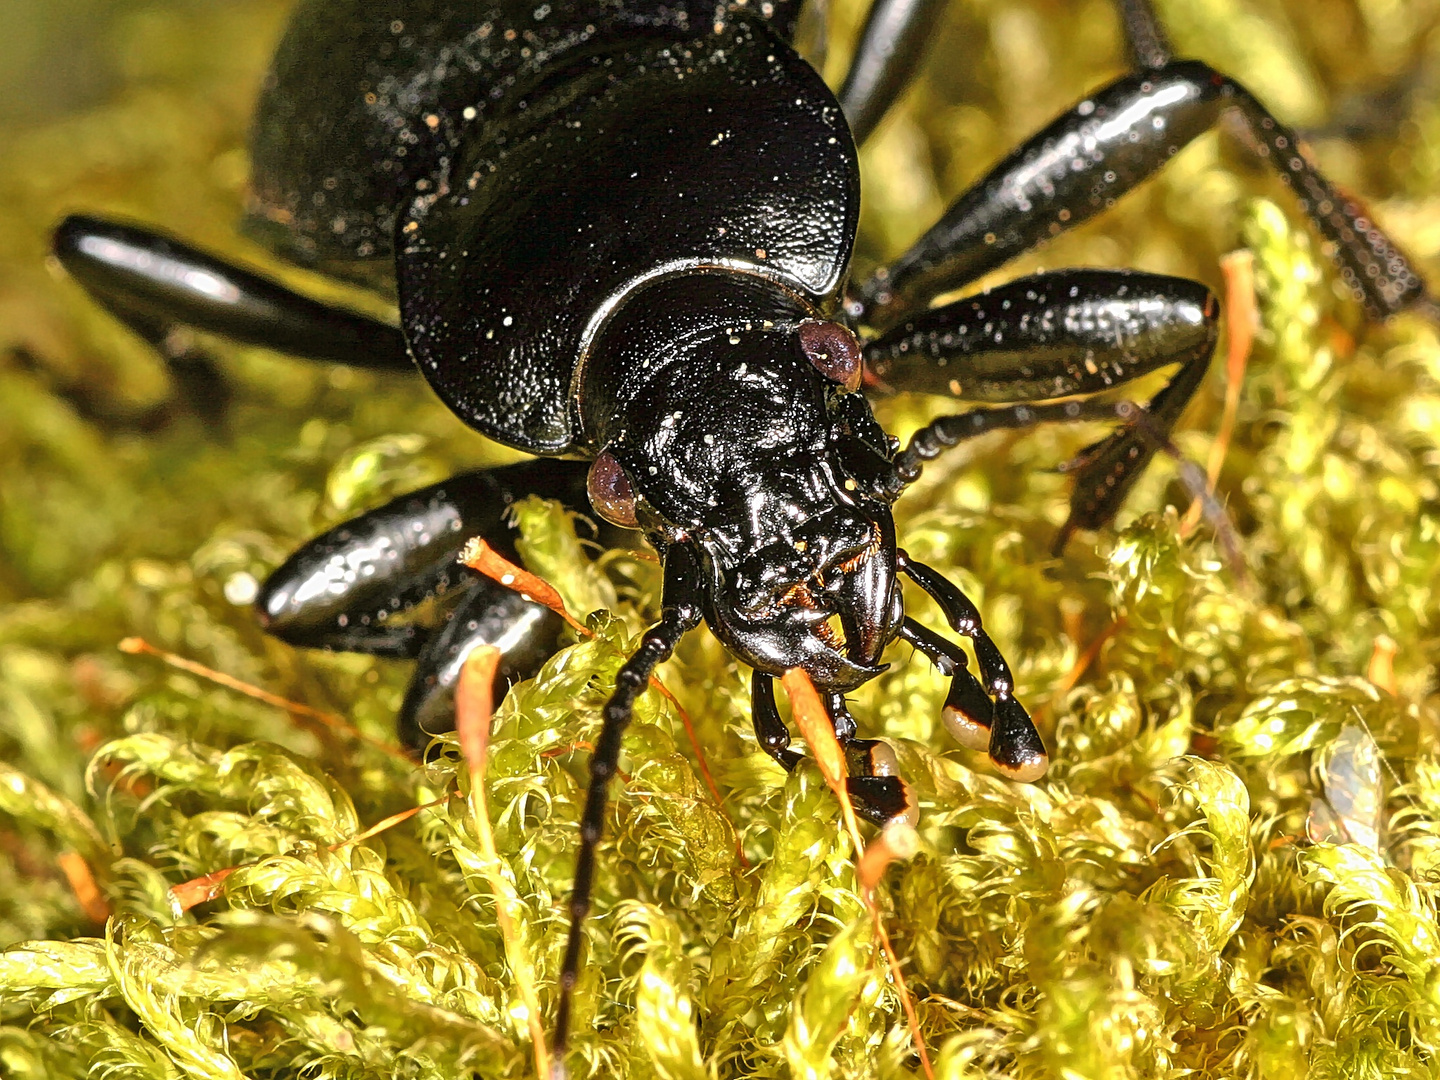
x=1072, y=332
x=891, y=43
x=770, y=730
x=154, y=283
x=1078, y=332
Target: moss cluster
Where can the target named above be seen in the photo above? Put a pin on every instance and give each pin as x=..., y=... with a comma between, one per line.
x=1178, y=896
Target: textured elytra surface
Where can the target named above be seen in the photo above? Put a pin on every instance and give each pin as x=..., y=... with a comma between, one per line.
x=340, y=146
x=1148, y=909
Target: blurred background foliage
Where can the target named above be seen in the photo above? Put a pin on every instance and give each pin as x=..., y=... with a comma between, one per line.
x=1154, y=907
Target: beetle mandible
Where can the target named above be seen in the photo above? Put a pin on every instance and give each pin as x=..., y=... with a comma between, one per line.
x=619, y=235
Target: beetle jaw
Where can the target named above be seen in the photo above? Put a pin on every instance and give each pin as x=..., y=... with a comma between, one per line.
x=832, y=620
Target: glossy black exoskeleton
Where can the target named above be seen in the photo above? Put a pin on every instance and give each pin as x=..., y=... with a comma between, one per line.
x=619, y=235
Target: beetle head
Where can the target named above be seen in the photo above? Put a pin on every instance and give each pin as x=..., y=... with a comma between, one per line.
x=756, y=451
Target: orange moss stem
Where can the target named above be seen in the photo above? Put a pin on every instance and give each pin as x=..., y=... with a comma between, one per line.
x=136, y=646
x=1242, y=317
x=473, y=715
x=819, y=734
x=188, y=894
x=480, y=556
x=1077, y=671
x=82, y=883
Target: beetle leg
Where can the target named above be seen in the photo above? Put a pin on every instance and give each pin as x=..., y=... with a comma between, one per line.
x=891, y=45
x=201, y=384
x=680, y=612
x=1099, y=150
x=1147, y=42
x=345, y=589
x=340, y=590
x=1056, y=335
x=527, y=634
x=770, y=729
x=154, y=283
x=1049, y=336
x=202, y=388
x=1100, y=501
x=1015, y=746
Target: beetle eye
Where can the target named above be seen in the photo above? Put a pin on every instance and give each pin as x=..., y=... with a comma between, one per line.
x=833, y=350
x=610, y=491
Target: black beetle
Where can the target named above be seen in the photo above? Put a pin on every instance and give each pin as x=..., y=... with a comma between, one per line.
x=620, y=235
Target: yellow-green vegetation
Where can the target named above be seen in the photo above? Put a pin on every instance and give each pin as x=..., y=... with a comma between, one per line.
x=1153, y=908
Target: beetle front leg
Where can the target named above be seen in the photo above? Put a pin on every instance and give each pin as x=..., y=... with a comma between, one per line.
x=968, y=713
x=874, y=784
x=1073, y=332
x=872, y=779
x=1098, y=151
x=527, y=634
x=348, y=589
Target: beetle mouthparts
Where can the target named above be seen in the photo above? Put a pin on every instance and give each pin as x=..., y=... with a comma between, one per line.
x=832, y=633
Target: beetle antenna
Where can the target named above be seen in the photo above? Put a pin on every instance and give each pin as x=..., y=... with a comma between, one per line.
x=946, y=431
x=680, y=612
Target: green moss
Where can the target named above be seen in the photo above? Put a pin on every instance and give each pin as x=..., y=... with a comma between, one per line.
x=1152, y=908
